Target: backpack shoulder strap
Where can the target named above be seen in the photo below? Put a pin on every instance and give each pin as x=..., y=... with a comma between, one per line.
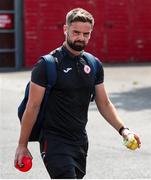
x=91, y=61
x=51, y=69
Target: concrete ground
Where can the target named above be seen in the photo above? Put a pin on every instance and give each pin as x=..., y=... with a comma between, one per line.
x=129, y=88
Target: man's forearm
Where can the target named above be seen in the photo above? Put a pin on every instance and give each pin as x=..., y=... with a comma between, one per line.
x=27, y=123
x=110, y=114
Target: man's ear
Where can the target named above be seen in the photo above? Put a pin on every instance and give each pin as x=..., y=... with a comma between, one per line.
x=65, y=29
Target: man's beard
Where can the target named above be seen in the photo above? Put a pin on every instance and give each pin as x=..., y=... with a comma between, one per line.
x=76, y=45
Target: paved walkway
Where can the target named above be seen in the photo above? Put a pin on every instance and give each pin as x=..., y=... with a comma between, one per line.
x=129, y=88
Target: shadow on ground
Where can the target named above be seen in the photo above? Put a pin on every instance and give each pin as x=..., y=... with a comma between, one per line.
x=134, y=100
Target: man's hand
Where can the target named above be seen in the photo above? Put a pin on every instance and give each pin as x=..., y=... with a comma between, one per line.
x=21, y=151
x=131, y=139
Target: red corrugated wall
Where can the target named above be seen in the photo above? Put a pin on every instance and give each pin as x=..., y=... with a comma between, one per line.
x=122, y=30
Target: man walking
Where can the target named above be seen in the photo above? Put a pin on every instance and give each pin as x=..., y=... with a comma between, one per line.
x=64, y=143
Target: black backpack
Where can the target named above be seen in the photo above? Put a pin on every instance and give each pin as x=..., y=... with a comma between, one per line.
x=52, y=76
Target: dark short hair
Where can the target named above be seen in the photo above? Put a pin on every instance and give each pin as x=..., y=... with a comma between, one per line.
x=79, y=15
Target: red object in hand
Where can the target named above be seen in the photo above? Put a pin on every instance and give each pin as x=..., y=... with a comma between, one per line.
x=27, y=164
